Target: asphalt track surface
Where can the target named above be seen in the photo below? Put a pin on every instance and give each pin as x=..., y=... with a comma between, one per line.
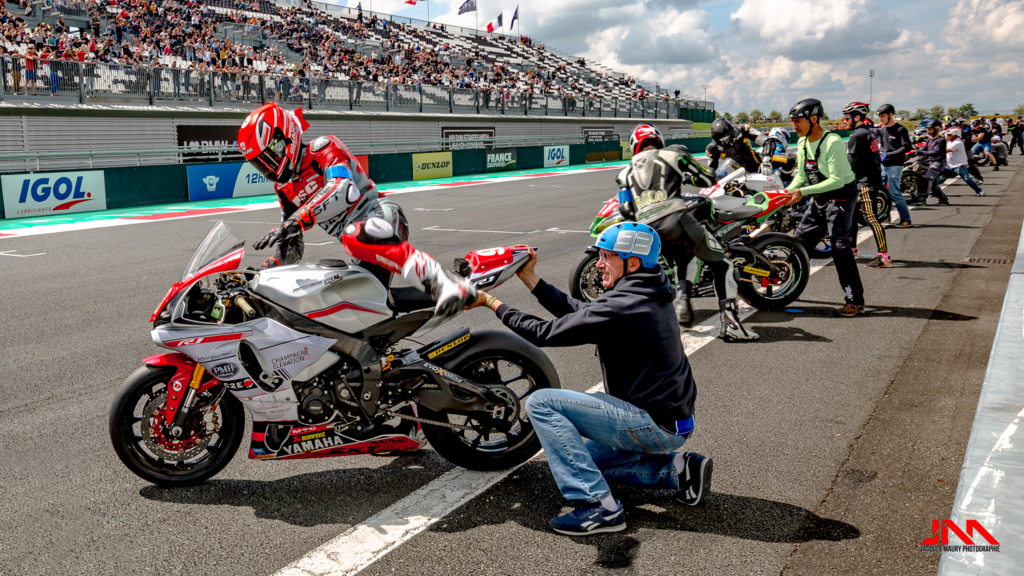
x=836, y=441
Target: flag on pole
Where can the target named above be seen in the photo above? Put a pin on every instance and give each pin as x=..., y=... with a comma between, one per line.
x=515, y=16
x=467, y=6
x=494, y=24
x=413, y=2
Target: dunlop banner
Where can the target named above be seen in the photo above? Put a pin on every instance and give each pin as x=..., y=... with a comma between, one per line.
x=431, y=165
x=501, y=159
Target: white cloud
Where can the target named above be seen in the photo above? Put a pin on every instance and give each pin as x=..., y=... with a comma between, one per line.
x=813, y=29
x=770, y=53
x=990, y=27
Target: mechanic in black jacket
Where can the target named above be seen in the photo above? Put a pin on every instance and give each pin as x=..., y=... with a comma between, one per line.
x=862, y=151
x=895, y=143
x=646, y=414
x=934, y=151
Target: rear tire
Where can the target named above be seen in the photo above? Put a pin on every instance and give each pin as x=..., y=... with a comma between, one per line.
x=795, y=270
x=910, y=184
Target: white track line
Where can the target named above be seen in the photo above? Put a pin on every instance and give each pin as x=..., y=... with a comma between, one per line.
x=364, y=544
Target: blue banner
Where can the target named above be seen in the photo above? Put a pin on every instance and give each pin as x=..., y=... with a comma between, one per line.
x=217, y=181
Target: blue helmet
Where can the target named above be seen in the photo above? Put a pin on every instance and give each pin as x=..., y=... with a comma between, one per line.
x=632, y=239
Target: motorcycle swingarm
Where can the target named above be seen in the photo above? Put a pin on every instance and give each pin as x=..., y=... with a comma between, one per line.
x=453, y=393
x=742, y=249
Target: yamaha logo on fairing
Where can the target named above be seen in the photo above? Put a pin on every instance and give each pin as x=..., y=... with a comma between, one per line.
x=225, y=370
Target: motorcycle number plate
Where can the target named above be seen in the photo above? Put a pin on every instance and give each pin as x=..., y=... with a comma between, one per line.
x=756, y=271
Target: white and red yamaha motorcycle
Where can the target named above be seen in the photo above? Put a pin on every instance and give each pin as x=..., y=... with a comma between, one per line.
x=312, y=351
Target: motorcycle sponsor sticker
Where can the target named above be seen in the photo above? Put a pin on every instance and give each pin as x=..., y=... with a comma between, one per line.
x=501, y=159
x=377, y=445
x=444, y=373
x=756, y=271
x=224, y=370
x=239, y=385
x=431, y=165
x=307, y=430
x=448, y=346
x=27, y=195
x=556, y=156
x=289, y=359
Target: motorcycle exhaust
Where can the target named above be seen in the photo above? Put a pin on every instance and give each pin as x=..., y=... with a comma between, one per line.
x=760, y=230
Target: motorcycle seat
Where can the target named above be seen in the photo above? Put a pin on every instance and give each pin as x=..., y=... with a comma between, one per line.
x=730, y=208
x=409, y=299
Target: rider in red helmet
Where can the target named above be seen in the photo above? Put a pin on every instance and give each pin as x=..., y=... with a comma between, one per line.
x=321, y=183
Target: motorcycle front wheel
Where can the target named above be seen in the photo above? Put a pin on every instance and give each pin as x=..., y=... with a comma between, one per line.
x=141, y=440
x=585, y=279
x=790, y=258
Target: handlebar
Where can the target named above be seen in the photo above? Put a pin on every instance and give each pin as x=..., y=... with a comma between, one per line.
x=242, y=303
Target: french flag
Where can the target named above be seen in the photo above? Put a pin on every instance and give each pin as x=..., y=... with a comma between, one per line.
x=494, y=24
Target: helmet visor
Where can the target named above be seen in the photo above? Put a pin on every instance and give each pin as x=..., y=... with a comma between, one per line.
x=271, y=161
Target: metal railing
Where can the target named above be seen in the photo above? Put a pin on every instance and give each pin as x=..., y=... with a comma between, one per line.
x=86, y=82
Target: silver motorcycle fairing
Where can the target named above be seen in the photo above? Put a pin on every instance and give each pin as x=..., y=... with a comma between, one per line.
x=349, y=298
x=281, y=350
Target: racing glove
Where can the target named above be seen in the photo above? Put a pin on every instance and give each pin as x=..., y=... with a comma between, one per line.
x=302, y=220
x=885, y=157
x=287, y=229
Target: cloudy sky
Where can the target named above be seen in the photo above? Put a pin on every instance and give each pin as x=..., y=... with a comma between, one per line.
x=768, y=54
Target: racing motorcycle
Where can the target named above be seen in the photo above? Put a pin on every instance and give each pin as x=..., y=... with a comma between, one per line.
x=312, y=352
x=772, y=268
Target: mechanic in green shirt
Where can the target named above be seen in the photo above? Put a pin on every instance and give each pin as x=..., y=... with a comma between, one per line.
x=824, y=173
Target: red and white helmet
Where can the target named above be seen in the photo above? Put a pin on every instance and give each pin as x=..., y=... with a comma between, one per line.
x=645, y=135
x=271, y=140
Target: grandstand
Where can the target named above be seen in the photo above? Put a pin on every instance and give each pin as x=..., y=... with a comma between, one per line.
x=320, y=55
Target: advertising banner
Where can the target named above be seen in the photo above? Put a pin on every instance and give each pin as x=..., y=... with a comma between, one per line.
x=235, y=180
x=464, y=138
x=501, y=159
x=28, y=195
x=556, y=156
x=627, y=152
x=431, y=165
x=203, y=135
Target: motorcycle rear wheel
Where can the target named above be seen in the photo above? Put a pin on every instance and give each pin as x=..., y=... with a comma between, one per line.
x=139, y=441
x=910, y=183
x=882, y=207
x=469, y=448
x=795, y=270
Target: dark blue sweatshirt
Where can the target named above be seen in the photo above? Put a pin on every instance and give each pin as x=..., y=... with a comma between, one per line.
x=637, y=335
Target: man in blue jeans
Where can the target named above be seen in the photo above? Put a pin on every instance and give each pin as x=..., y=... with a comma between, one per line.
x=646, y=413
x=895, y=143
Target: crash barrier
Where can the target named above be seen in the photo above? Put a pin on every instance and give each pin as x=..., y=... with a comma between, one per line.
x=89, y=82
x=987, y=509
x=51, y=193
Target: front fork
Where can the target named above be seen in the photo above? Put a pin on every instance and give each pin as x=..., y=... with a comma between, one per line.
x=191, y=394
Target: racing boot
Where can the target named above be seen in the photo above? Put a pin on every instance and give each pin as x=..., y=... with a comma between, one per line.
x=684, y=309
x=732, y=330
x=450, y=294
